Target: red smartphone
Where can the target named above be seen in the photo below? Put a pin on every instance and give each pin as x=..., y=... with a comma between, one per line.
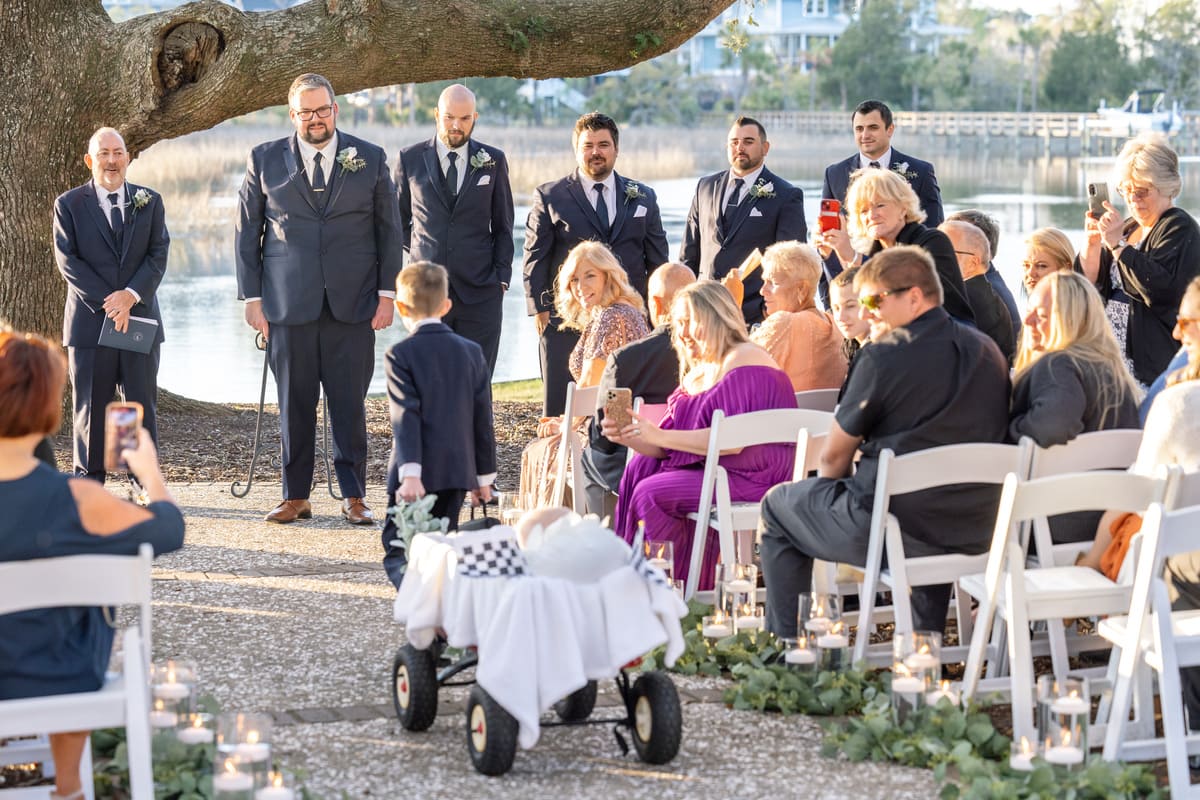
x=121, y=424
x=831, y=215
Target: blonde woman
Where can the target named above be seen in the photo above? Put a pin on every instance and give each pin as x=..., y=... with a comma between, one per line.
x=721, y=369
x=1047, y=250
x=592, y=295
x=1070, y=378
x=883, y=212
x=1142, y=264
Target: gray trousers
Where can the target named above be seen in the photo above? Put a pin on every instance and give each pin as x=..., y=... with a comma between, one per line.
x=819, y=519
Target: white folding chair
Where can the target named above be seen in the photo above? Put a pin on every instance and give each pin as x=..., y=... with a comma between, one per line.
x=1021, y=595
x=818, y=399
x=1162, y=641
x=716, y=508
x=581, y=402
x=949, y=465
x=123, y=701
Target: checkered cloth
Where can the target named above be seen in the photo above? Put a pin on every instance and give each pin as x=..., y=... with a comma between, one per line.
x=489, y=554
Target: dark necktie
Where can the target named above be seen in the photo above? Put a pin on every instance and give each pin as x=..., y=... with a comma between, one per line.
x=602, y=207
x=732, y=206
x=114, y=216
x=875, y=165
x=318, y=181
x=452, y=174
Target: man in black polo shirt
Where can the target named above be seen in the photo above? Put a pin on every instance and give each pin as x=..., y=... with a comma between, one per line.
x=925, y=381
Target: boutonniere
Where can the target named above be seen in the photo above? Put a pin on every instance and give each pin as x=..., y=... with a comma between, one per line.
x=348, y=159
x=140, y=198
x=633, y=192
x=760, y=190
x=902, y=170
x=482, y=160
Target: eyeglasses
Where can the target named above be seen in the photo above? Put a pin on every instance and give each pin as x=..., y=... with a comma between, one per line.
x=871, y=301
x=306, y=114
x=1131, y=193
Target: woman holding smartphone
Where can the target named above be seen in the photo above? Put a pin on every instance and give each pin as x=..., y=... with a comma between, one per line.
x=48, y=514
x=1142, y=264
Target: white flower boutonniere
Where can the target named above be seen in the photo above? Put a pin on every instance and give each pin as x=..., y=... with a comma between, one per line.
x=760, y=190
x=633, y=192
x=349, y=160
x=482, y=160
x=903, y=171
x=140, y=199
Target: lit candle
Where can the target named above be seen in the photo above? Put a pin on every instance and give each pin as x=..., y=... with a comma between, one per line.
x=230, y=780
x=943, y=691
x=160, y=717
x=922, y=659
x=196, y=734
x=662, y=564
x=171, y=690
x=818, y=624
x=276, y=790
x=751, y=622
x=716, y=626
x=903, y=681
x=1065, y=754
x=1022, y=760
x=800, y=654
x=834, y=639
x=252, y=749
x=1072, y=704
x=739, y=585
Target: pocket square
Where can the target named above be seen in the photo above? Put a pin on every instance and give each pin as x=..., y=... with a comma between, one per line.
x=639, y=212
x=754, y=212
x=485, y=180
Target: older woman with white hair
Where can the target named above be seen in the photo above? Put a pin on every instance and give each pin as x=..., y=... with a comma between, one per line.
x=1142, y=264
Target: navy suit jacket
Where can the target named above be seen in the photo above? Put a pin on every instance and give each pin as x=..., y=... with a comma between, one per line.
x=471, y=236
x=711, y=249
x=562, y=216
x=293, y=254
x=918, y=173
x=440, y=396
x=87, y=257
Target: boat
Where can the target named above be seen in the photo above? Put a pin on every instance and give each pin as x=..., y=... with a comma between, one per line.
x=1144, y=110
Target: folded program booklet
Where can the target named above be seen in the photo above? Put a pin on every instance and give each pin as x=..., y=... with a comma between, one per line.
x=139, y=336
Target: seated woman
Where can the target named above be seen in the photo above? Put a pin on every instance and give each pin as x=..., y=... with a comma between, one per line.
x=48, y=514
x=884, y=211
x=592, y=294
x=721, y=370
x=1047, y=250
x=1069, y=378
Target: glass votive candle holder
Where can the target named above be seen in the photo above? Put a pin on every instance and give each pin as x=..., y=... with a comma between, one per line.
x=750, y=618
x=164, y=713
x=197, y=729
x=799, y=654
x=280, y=786
x=717, y=626
x=247, y=739
x=817, y=612
x=174, y=681
x=1021, y=755
x=1064, y=708
x=233, y=779
x=834, y=646
x=661, y=555
x=940, y=692
x=737, y=586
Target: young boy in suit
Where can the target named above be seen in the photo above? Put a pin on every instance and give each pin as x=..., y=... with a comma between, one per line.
x=440, y=397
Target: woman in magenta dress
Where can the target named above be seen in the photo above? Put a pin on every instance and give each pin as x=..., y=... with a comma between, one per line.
x=722, y=370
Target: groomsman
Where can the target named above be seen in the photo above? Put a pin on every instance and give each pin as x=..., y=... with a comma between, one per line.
x=318, y=251
x=456, y=210
x=740, y=209
x=592, y=203
x=110, y=242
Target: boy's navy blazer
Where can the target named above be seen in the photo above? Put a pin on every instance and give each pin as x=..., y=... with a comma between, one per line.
x=440, y=394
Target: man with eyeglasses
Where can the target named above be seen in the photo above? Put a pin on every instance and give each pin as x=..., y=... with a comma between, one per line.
x=925, y=381
x=318, y=252
x=974, y=254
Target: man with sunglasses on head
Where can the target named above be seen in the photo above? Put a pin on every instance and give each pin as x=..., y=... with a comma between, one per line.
x=318, y=252
x=926, y=380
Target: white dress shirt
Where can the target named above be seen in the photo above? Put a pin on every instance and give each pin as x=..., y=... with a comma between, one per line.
x=106, y=208
x=610, y=193
x=748, y=180
x=462, y=164
x=885, y=160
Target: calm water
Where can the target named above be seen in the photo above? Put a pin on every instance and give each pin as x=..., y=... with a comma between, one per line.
x=210, y=355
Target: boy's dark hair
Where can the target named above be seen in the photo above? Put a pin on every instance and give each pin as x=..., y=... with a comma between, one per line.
x=423, y=286
x=595, y=121
x=844, y=278
x=867, y=106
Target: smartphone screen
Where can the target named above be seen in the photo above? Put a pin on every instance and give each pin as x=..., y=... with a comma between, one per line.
x=121, y=424
x=1097, y=197
x=831, y=215
x=617, y=403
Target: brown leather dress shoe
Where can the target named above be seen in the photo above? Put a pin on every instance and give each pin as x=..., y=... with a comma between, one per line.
x=290, y=511
x=357, y=512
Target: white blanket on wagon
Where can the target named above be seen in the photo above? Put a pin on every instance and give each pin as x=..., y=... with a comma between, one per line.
x=539, y=638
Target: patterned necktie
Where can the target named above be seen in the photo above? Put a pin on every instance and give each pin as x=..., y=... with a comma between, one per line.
x=318, y=182
x=114, y=217
x=602, y=207
x=734, y=193
x=452, y=174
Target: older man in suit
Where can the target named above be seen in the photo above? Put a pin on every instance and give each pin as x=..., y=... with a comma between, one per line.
x=110, y=242
x=456, y=209
x=592, y=203
x=318, y=251
x=739, y=210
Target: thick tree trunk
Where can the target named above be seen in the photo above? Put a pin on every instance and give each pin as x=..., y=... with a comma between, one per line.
x=69, y=69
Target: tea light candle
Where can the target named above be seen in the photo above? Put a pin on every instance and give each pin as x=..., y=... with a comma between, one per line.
x=907, y=685
x=196, y=734
x=818, y=624
x=163, y=719
x=1022, y=760
x=716, y=626
x=172, y=690
x=1065, y=755
x=253, y=751
x=662, y=564
x=833, y=641
x=275, y=790
x=739, y=585
x=922, y=659
x=800, y=655
x=943, y=691
x=1072, y=704
x=751, y=623
x=232, y=781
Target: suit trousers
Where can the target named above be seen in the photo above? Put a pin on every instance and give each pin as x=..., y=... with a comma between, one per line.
x=819, y=519
x=554, y=351
x=479, y=322
x=339, y=357
x=97, y=373
x=448, y=504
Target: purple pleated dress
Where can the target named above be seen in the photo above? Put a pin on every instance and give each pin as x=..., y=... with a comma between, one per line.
x=663, y=492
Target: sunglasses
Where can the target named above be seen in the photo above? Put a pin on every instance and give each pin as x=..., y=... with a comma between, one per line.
x=1134, y=193
x=871, y=301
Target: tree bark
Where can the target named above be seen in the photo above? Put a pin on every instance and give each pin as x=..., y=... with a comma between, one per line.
x=70, y=69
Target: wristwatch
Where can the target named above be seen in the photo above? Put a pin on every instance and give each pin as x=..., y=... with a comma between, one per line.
x=1122, y=243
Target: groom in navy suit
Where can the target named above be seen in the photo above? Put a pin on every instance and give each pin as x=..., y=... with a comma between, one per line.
x=110, y=242
x=592, y=203
x=456, y=209
x=318, y=251
x=743, y=208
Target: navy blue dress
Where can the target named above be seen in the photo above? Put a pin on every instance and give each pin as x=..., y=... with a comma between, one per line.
x=62, y=650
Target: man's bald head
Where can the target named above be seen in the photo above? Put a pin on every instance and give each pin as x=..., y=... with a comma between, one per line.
x=665, y=282
x=456, y=115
